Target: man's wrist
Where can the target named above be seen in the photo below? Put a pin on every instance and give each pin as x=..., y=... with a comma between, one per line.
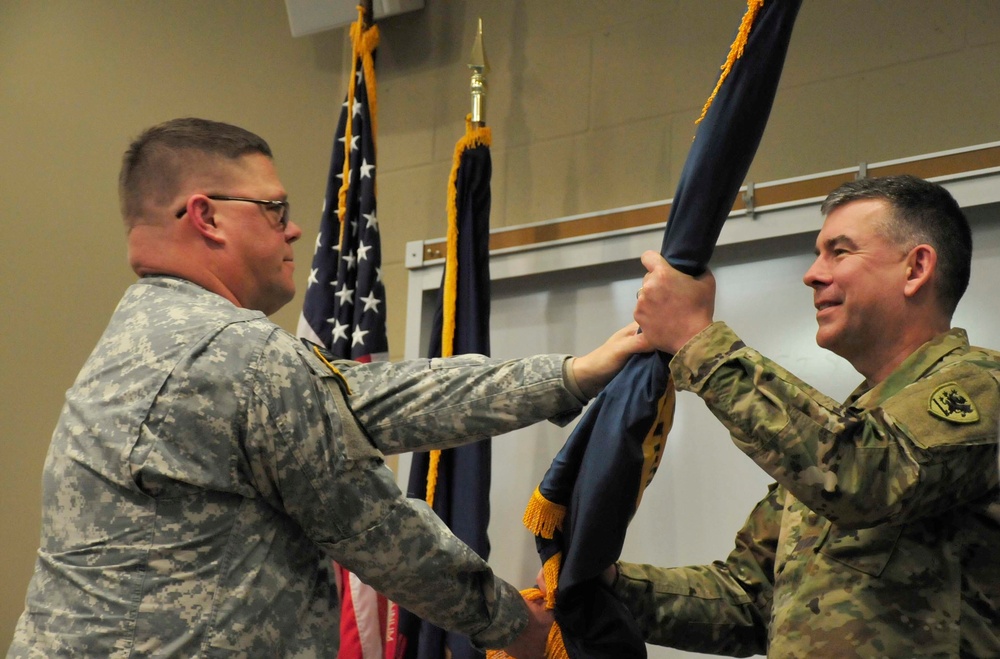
x=569, y=379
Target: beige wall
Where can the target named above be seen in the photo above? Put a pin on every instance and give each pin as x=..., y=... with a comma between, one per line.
x=591, y=104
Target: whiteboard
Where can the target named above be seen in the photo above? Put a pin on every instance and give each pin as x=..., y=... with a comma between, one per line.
x=705, y=486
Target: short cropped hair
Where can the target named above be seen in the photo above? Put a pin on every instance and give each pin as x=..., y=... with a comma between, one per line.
x=923, y=213
x=154, y=166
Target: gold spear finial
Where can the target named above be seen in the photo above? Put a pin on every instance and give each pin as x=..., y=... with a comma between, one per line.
x=480, y=67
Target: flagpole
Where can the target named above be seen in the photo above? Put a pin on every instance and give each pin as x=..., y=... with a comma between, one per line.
x=368, y=18
x=480, y=67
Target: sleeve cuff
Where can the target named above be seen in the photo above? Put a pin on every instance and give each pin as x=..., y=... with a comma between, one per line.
x=510, y=617
x=569, y=380
x=702, y=355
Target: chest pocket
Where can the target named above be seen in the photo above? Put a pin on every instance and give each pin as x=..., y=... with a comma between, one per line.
x=957, y=406
x=866, y=550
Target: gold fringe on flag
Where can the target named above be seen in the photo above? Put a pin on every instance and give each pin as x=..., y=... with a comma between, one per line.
x=364, y=41
x=543, y=517
x=474, y=136
x=735, y=51
x=550, y=572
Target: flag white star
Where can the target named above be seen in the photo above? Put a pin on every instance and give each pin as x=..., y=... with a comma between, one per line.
x=371, y=302
x=378, y=275
x=372, y=222
x=363, y=251
x=366, y=169
x=346, y=295
x=350, y=258
x=357, y=108
x=319, y=239
x=354, y=142
x=358, y=336
x=339, y=331
x=312, y=277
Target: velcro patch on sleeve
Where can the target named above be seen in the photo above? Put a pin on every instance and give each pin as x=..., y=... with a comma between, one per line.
x=956, y=406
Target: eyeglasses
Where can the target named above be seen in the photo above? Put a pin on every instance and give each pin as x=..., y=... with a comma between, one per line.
x=281, y=207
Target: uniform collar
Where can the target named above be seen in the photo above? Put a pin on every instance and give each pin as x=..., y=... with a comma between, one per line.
x=920, y=361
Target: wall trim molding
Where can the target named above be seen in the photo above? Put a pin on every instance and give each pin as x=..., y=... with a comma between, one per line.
x=780, y=208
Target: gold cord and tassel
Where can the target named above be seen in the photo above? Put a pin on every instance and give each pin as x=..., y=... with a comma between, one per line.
x=735, y=51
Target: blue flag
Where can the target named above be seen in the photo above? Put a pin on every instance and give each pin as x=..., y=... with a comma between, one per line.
x=582, y=508
x=456, y=482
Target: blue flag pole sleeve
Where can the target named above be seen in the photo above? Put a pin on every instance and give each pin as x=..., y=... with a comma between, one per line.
x=727, y=140
x=593, y=487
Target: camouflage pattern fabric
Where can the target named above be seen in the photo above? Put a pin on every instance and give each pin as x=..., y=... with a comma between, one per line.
x=206, y=469
x=880, y=536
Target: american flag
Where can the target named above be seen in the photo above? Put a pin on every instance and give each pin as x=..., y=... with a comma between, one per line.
x=344, y=307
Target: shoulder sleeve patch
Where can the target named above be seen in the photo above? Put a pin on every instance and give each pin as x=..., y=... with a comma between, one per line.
x=950, y=402
x=957, y=406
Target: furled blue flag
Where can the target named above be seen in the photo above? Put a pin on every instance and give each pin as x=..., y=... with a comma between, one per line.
x=344, y=308
x=456, y=482
x=581, y=510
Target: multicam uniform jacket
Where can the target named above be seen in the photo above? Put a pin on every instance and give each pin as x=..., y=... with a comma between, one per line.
x=205, y=471
x=881, y=536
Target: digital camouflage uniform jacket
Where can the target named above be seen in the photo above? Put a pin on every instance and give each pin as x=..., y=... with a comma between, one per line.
x=881, y=536
x=204, y=473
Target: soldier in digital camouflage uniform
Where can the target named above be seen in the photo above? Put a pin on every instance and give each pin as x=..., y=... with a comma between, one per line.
x=881, y=535
x=208, y=466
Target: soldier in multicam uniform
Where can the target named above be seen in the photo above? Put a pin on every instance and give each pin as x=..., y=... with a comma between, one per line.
x=208, y=466
x=880, y=537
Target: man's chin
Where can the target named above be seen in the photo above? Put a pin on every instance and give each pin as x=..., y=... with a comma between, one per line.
x=826, y=339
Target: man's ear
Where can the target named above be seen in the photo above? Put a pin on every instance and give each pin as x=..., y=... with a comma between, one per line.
x=201, y=217
x=921, y=265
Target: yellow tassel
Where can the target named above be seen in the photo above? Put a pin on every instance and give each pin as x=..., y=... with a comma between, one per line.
x=542, y=517
x=550, y=572
x=735, y=51
x=554, y=646
x=432, y=476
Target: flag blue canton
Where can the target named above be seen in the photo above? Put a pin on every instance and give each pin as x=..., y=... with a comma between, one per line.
x=344, y=303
